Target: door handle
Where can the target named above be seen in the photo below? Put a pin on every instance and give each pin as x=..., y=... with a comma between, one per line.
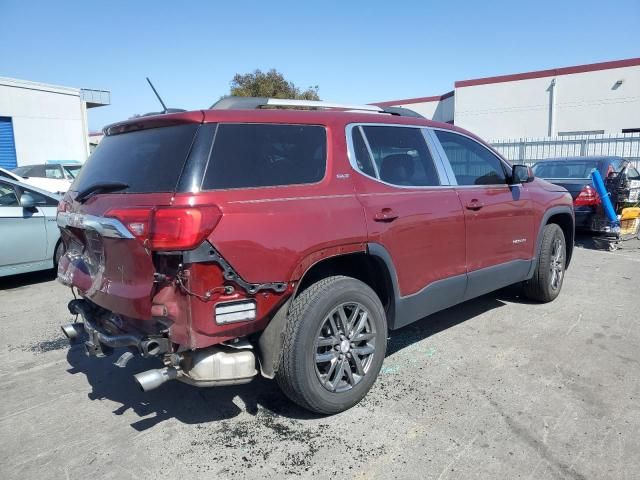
x=385, y=215
x=475, y=205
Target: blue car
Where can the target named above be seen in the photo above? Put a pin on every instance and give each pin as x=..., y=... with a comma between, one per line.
x=574, y=174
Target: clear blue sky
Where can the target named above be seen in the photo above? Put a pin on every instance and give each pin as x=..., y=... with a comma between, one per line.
x=356, y=51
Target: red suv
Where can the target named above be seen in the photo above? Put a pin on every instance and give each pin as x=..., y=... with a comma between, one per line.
x=288, y=237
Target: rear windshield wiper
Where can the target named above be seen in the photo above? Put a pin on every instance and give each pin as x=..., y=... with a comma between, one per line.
x=102, y=187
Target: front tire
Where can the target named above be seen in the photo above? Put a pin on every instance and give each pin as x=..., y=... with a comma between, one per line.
x=334, y=345
x=546, y=283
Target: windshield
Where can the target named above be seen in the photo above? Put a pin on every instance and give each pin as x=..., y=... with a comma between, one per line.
x=146, y=160
x=72, y=170
x=565, y=169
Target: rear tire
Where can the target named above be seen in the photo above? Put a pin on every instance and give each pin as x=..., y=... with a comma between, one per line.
x=334, y=345
x=546, y=283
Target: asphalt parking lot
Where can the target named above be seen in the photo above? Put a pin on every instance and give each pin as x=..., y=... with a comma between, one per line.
x=494, y=388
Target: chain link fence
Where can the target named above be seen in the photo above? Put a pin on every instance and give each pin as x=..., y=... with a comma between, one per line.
x=530, y=150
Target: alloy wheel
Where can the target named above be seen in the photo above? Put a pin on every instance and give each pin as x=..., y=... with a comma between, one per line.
x=556, y=264
x=344, y=347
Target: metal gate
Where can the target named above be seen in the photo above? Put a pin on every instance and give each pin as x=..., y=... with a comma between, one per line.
x=7, y=144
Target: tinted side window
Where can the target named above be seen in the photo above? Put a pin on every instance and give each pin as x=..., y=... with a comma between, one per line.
x=363, y=159
x=264, y=155
x=8, y=196
x=401, y=156
x=472, y=163
x=35, y=171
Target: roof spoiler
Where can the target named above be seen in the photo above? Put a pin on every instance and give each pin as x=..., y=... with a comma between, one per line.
x=254, y=103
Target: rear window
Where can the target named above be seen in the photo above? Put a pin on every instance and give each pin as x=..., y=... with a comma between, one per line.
x=265, y=155
x=147, y=160
x=565, y=169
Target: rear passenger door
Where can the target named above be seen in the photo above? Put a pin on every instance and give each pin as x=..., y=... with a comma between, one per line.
x=411, y=212
x=498, y=216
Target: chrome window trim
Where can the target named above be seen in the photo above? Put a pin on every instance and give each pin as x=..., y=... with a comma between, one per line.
x=442, y=156
x=105, y=226
x=442, y=177
x=504, y=164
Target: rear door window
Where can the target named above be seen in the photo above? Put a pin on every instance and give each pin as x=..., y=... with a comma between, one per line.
x=361, y=152
x=266, y=155
x=147, y=160
x=400, y=155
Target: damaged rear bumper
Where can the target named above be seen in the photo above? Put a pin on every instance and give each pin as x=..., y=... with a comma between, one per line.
x=224, y=364
x=101, y=343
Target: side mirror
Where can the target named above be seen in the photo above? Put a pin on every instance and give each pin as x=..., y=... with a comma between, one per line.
x=27, y=201
x=521, y=174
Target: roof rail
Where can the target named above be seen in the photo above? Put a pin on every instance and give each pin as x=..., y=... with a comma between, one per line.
x=253, y=103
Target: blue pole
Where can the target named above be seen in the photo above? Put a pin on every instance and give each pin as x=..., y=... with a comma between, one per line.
x=604, y=196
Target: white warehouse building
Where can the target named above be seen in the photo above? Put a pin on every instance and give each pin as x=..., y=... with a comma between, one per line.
x=42, y=123
x=600, y=98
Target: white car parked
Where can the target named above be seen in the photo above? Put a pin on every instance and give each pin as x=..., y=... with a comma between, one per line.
x=30, y=238
x=54, y=177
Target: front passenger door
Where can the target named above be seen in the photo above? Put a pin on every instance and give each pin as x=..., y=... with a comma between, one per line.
x=23, y=238
x=498, y=216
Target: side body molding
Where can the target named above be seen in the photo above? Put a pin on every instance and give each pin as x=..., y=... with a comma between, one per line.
x=434, y=297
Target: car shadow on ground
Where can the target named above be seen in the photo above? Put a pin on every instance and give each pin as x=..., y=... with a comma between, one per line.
x=594, y=241
x=13, y=282
x=193, y=405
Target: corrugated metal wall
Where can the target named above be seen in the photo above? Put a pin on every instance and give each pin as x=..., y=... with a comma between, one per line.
x=7, y=144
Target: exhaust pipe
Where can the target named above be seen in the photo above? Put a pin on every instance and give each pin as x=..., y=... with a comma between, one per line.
x=72, y=330
x=152, y=379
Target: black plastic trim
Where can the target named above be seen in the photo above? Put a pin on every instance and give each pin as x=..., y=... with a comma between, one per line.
x=564, y=209
x=446, y=292
x=492, y=278
x=207, y=253
x=434, y=297
x=193, y=171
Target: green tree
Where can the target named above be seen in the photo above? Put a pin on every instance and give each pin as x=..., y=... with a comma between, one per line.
x=270, y=84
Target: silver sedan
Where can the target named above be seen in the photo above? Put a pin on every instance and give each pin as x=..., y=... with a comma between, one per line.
x=29, y=235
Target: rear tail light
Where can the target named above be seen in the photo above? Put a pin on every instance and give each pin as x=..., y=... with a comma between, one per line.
x=587, y=197
x=169, y=228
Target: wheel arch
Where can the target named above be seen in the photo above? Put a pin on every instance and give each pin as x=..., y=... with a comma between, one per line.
x=366, y=266
x=562, y=216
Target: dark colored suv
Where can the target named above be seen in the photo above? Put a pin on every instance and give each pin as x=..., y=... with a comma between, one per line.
x=289, y=240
